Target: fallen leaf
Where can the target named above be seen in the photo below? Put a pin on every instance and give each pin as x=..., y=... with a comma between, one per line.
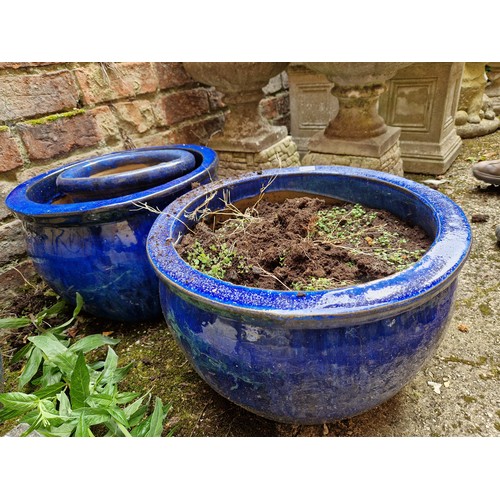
x=369, y=240
x=107, y=334
x=463, y=328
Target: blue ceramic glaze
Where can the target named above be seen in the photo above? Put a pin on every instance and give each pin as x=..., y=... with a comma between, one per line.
x=313, y=357
x=84, y=180
x=97, y=248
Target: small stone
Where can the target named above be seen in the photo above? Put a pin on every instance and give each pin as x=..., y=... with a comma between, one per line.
x=20, y=429
x=480, y=218
x=463, y=328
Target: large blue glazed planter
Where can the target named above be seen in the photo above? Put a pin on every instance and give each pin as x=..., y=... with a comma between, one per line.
x=98, y=247
x=313, y=357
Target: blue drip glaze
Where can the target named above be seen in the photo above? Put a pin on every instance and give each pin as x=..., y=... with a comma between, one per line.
x=97, y=247
x=316, y=356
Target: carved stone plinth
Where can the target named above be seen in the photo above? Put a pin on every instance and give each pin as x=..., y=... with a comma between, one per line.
x=475, y=115
x=493, y=86
x=422, y=100
x=311, y=104
x=281, y=154
x=357, y=130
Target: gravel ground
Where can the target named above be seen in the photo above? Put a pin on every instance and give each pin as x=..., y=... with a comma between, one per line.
x=456, y=394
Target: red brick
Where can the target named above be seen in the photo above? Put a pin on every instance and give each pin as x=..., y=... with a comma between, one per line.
x=138, y=115
x=107, y=124
x=171, y=75
x=275, y=107
x=183, y=105
x=216, y=99
x=17, y=65
x=59, y=137
x=34, y=95
x=10, y=157
x=12, y=241
x=196, y=133
x=100, y=83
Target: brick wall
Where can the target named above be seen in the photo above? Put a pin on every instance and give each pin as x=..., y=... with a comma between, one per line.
x=55, y=113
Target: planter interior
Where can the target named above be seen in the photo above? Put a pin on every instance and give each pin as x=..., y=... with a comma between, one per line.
x=313, y=357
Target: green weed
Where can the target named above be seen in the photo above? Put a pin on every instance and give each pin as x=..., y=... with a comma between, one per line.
x=70, y=396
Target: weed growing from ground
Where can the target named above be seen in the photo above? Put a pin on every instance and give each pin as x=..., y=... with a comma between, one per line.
x=68, y=394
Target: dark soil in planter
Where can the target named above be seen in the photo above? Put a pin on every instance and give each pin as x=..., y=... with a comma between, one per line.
x=302, y=243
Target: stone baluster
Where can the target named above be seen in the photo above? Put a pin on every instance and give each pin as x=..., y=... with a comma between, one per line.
x=248, y=141
x=357, y=135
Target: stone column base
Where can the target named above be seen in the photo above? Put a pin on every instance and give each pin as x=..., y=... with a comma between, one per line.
x=430, y=157
x=282, y=154
x=484, y=127
x=390, y=161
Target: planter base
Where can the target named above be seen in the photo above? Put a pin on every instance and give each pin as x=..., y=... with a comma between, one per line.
x=281, y=154
x=485, y=127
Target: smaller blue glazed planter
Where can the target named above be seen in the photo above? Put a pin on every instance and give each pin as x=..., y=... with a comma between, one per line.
x=98, y=247
x=313, y=357
x=119, y=174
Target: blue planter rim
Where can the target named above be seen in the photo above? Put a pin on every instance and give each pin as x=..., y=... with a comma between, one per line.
x=353, y=304
x=20, y=202
x=165, y=164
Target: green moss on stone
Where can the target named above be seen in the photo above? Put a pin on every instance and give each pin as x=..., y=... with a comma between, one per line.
x=3, y=128
x=454, y=359
x=469, y=399
x=52, y=118
x=485, y=309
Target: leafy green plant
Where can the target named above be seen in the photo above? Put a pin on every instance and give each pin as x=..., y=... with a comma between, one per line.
x=215, y=260
x=72, y=396
x=355, y=230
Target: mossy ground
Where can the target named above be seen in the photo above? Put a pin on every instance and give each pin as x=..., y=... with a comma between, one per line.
x=455, y=394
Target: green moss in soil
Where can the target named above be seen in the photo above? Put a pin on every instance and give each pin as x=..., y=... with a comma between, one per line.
x=469, y=399
x=162, y=368
x=454, y=359
x=485, y=309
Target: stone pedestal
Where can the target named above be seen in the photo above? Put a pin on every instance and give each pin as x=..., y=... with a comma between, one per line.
x=279, y=155
x=493, y=86
x=357, y=131
x=422, y=100
x=248, y=141
x=475, y=116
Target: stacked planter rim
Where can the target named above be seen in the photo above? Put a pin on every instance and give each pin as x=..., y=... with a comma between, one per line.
x=92, y=240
